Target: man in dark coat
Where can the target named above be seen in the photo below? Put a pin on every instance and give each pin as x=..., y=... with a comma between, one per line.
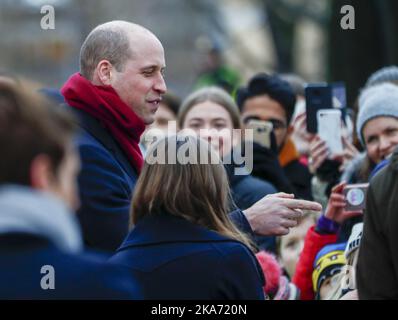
x=41, y=249
x=269, y=98
x=377, y=269
x=115, y=95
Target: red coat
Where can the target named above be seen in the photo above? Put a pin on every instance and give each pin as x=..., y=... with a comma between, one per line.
x=313, y=243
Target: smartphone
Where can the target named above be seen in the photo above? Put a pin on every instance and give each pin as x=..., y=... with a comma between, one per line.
x=329, y=129
x=355, y=195
x=317, y=96
x=261, y=132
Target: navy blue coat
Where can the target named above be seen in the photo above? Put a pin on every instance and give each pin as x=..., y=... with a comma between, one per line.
x=77, y=276
x=175, y=259
x=106, y=182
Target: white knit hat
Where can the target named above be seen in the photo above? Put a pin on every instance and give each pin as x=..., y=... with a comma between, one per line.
x=376, y=101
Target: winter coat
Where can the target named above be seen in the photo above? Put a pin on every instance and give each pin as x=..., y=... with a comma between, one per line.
x=176, y=259
x=106, y=183
x=41, y=253
x=377, y=268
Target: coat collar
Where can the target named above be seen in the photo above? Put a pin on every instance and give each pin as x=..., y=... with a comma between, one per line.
x=94, y=127
x=165, y=228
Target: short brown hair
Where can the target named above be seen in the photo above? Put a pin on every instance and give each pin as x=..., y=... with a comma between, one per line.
x=196, y=192
x=30, y=125
x=104, y=44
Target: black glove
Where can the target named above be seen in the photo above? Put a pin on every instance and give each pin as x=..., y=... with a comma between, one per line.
x=266, y=166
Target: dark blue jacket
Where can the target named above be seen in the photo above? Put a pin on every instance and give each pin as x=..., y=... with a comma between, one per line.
x=106, y=182
x=175, y=259
x=77, y=276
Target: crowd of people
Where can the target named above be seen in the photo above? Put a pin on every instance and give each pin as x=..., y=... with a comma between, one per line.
x=120, y=212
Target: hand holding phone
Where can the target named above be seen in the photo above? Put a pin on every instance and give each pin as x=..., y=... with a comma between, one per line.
x=355, y=195
x=338, y=209
x=324, y=96
x=261, y=132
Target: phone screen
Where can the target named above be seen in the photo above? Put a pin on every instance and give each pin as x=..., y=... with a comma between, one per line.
x=329, y=129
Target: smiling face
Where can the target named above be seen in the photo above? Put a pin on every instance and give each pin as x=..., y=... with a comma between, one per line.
x=140, y=84
x=213, y=123
x=381, y=137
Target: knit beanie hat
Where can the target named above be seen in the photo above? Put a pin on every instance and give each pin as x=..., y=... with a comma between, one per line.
x=272, y=271
x=277, y=286
x=328, y=262
x=386, y=74
x=376, y=101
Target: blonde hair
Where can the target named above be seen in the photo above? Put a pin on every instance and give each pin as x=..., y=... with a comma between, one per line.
x=194, y=191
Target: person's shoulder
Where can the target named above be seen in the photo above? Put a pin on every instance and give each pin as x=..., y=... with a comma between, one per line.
x=89, y=145
x=232, y=249
x=387, y=172
x=75, y=275
x=236, y=255
x=95, y=278
x=250, y=185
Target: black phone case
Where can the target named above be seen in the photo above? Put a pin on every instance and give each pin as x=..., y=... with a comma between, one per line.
x=316, y=97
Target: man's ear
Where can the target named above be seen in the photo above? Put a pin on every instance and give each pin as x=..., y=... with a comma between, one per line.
x=41, y=175
x=103, y=72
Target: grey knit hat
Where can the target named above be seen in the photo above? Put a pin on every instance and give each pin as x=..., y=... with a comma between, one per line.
x=376, y=101
x=386, y=74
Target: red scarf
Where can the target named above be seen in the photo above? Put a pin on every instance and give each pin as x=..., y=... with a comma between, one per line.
x=104, y=104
